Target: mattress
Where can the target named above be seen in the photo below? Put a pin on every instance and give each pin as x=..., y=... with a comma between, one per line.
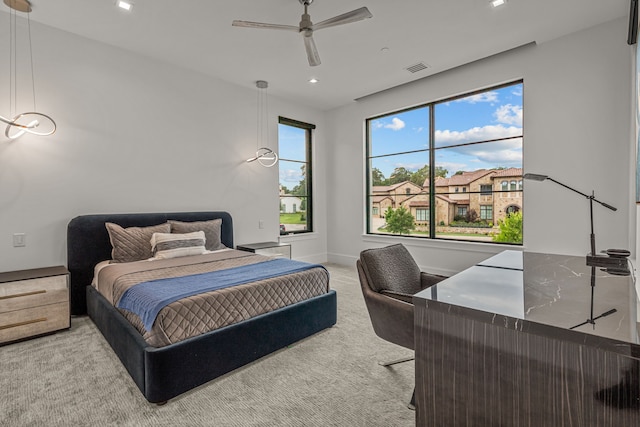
x=197, y=314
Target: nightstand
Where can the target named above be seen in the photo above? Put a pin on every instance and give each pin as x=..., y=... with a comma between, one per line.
x=33, y=302
x=274, y=249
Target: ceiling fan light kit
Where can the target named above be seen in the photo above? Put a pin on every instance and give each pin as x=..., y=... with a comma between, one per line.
x=307, y=27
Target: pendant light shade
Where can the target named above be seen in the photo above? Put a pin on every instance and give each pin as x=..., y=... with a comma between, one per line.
x=29, y=122
x=264, y=155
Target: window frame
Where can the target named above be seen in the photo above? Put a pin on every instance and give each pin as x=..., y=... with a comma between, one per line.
x=308, y=128
x=432, y=148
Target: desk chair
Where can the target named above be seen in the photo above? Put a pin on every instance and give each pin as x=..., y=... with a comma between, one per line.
x=389, y=277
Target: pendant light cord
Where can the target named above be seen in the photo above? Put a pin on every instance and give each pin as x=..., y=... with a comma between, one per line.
x=33, y=80
x=262, y=125
x=13, y=63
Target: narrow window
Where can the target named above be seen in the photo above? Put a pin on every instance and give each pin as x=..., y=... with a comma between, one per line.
x=295, y=167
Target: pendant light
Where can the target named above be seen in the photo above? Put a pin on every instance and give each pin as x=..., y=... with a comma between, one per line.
x=31, y=121
x=264, y=155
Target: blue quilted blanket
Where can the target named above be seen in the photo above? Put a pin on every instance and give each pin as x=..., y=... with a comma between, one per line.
x=146, y=299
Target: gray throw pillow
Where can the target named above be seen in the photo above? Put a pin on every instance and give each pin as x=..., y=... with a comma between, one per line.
x=132, y=243
x=391, y=268
x=212, y=231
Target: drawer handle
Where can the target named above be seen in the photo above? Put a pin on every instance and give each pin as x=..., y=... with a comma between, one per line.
x=28, y=322
x=24, y=294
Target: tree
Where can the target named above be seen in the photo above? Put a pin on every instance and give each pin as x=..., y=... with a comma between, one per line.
x=301, y=188
x=420, y=176
x=472, y=215
x=399, y=175
x=377, y=177
x=399, y=221
x=510, y=229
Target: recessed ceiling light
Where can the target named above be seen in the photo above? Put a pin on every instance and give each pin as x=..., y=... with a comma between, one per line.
x=125, y=5
x=496, y=3
x=313, y=80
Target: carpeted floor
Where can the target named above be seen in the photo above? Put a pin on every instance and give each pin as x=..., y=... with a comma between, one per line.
x=330, y=379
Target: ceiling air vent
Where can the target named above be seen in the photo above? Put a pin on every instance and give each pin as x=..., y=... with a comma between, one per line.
x=417, y=67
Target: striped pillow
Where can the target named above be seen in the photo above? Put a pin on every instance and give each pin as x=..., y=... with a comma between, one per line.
x=171, y=245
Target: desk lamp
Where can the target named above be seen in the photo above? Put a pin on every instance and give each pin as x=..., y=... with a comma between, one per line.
x=614, y=258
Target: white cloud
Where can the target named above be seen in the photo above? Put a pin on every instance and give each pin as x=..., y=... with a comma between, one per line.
x=485, y=133
x=480, y=97
x=509, y=114
x=506, y=153
x=452, y=167
x=291, y=175
x=411, y=167
x=396, y=124
x=503, y=157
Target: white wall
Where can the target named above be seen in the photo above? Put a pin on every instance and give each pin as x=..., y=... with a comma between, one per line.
x=576, y=124
x=137, y=135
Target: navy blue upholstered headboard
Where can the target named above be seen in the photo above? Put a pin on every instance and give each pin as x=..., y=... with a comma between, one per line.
x=88, y=243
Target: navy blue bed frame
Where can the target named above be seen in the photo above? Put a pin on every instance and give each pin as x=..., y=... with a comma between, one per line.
x=166, y=372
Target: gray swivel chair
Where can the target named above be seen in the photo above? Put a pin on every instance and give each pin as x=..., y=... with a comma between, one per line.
x=389, y=277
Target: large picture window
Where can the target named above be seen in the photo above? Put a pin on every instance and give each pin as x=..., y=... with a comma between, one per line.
x=296, y=201
x=459, y=160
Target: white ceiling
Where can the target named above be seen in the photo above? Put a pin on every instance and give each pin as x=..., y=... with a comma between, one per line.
x=197, y=34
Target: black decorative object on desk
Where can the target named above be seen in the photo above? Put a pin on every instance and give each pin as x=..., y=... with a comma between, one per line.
x=613, y=258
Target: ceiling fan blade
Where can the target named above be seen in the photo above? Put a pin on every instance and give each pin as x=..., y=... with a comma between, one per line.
x=312, y=52
x=249, y=24
x=345, y=18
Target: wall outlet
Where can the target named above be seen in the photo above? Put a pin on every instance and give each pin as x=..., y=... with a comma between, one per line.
x=261, y=224
x=19, y=240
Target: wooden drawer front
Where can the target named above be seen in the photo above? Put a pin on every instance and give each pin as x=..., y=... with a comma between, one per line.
x=33, y=321
x=32, y=293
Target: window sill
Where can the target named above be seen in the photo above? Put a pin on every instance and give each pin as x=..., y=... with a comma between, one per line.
x=286, y=238
x=490, y=248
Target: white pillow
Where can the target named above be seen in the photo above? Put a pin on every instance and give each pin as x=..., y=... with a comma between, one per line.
x=172, y=245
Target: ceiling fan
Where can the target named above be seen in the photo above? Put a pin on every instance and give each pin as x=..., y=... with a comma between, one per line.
x=306, y=27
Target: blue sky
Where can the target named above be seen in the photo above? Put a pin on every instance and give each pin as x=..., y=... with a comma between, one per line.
x=489, y=115
x=291, y=146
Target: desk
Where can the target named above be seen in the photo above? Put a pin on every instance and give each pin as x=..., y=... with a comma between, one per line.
x=521, y=340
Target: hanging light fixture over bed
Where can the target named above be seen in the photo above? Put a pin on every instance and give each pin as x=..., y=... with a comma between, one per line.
x=31, y=121
x=264, y=155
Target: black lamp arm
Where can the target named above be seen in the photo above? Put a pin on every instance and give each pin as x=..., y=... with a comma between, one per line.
x=590, y=197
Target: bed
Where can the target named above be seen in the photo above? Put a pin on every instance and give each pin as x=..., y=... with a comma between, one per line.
x=164, y=372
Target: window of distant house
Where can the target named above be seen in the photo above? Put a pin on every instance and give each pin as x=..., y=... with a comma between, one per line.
x=455, y=150
x=422, y=214
x=486, y=212
x=296, y=201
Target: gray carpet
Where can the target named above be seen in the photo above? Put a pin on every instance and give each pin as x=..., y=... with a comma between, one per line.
x=329, y=379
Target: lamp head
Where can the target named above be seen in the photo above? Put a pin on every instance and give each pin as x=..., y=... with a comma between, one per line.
x=535, y=177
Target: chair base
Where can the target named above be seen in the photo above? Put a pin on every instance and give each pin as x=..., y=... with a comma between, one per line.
x=412, y=403
x=395, y=362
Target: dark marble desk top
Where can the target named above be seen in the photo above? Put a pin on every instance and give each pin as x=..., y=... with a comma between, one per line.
x=543, y=294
